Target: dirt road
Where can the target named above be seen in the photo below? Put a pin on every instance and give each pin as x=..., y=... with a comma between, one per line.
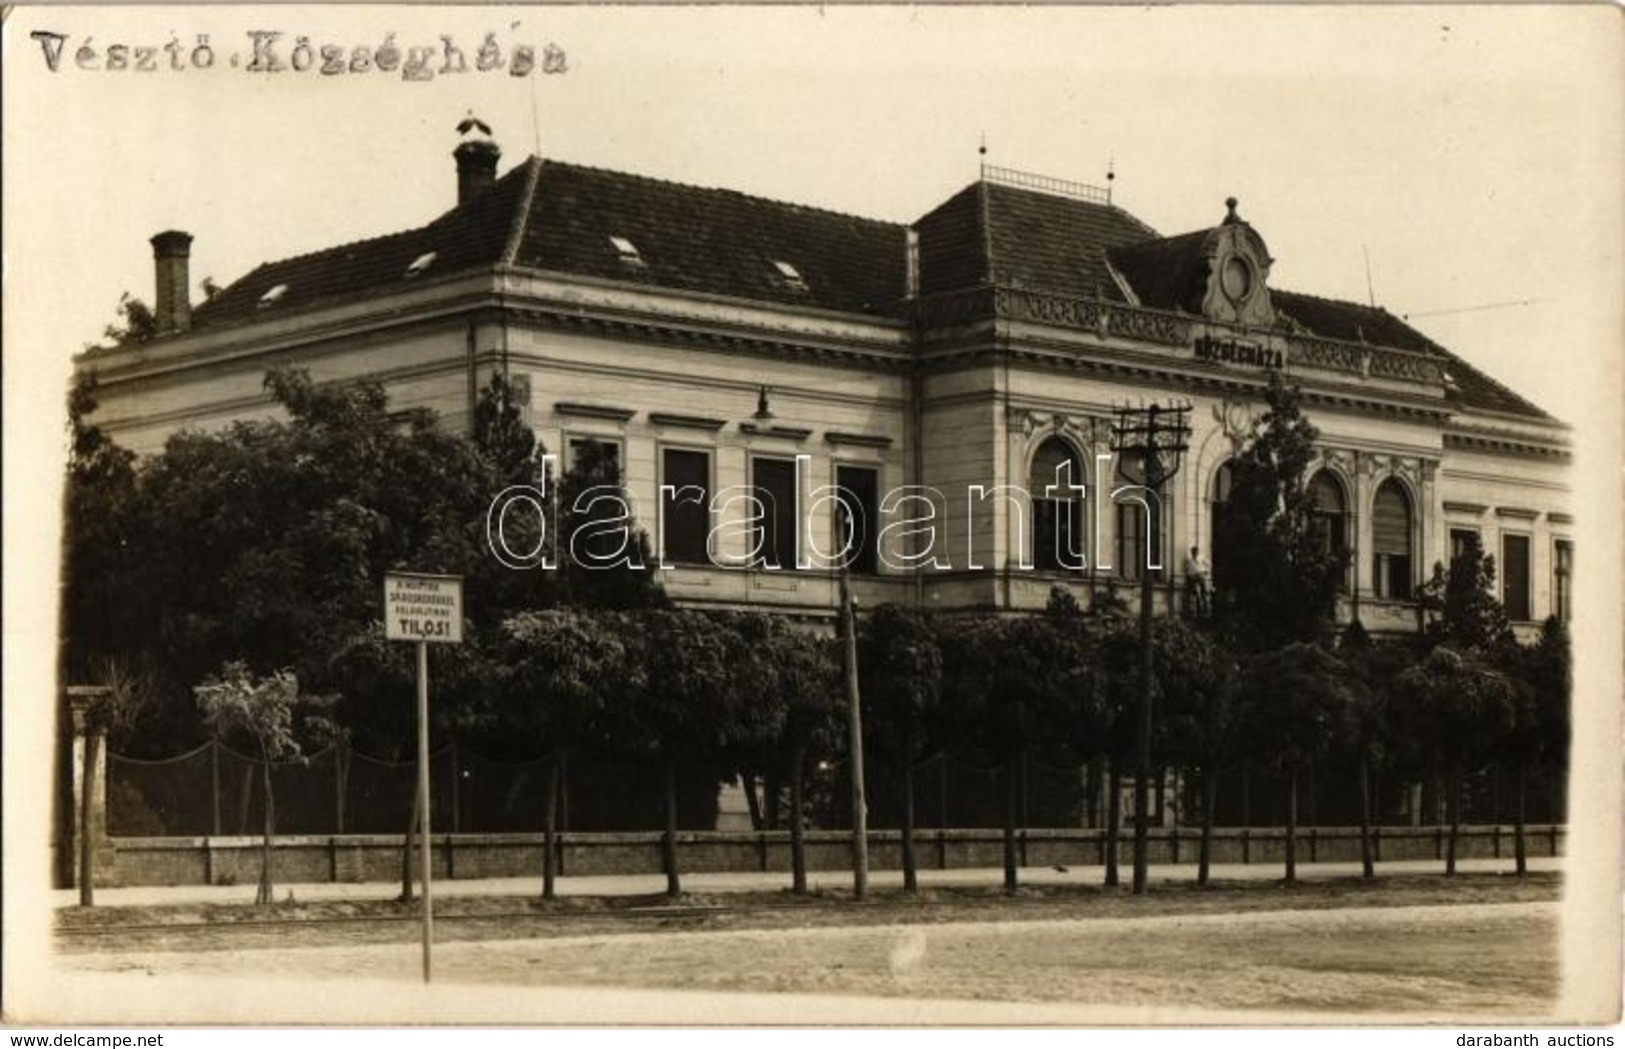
x=1479, y=959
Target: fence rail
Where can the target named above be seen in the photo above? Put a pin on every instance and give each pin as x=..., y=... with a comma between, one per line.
x=358, y=858
x=216, y=792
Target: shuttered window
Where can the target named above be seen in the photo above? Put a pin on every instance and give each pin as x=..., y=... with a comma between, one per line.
x=1562, y=579
x=1057, y=514
x=1391, y=522
x=1391, y=542
x=777, y=538
x=858, y=488
x=1515, y=576
x=685, y=496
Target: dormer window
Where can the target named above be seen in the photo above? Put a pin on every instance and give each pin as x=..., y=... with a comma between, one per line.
x=789, y=275
x=421, y=263
x=273, y=296
x=627, y=251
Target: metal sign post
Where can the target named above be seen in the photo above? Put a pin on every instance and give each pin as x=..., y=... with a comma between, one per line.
x=424, y=609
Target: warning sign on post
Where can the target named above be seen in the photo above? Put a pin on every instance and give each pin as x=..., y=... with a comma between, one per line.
x=423, y=608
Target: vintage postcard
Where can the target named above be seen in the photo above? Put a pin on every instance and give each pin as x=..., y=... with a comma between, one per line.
x=1060, y=515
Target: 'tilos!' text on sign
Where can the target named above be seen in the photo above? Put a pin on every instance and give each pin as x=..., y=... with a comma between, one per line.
x=423, y=608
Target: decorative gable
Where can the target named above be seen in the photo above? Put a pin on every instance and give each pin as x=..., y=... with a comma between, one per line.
x=1238, y=269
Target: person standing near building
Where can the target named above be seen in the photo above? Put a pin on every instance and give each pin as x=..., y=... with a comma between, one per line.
x=1198, y=593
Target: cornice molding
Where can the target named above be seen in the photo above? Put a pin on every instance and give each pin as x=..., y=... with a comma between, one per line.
x=791, y=433
x=857, y=440
x=687, y=422
x=593, y=411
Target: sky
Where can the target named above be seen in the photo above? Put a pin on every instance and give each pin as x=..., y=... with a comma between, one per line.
x=1458, y=164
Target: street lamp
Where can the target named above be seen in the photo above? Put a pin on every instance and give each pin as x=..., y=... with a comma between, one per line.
x=1150, y=440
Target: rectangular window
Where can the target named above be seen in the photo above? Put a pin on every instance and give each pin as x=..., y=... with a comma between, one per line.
x=593, y=463
x=775, y=536
x=1460, y=540
x=599, y=456
x=1563, y=579
x=1515, y=576
x=1131, y=547
x=685, y=505
x=1391, y=576
x=1058, y=534
x=859, y=489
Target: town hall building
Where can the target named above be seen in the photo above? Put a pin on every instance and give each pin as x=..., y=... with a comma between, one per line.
x=942, y=374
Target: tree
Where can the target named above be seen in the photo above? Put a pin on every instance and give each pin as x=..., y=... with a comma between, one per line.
x=1298, y=701
x=1372, y=738
x=513, y=458
x=900, y=666
x=1201, y=716
x=1014, y=682
x=603, y=561
x=1541, y=719
x=98, y=560
x=788, y=678
x=275, y=714
x=1469, y=617
x=679, y=705
x=269, y=540
x=1276, y=575
x=563, y=668
x=1463, y=707
x=1116, y=700
x=139, y=325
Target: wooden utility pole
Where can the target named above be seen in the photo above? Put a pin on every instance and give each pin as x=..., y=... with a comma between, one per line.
x=860, y=811
x=1151, y=439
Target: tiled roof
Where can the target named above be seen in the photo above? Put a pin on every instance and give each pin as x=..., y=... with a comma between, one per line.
x=567, y=218
x=1054, y=243
x=688, y=238
x=1169, y=273
x=712, y=240
x=1336, y=319
x=467, y=237
x=1022, y=238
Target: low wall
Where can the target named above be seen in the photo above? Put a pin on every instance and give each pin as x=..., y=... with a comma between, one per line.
x=356, y=858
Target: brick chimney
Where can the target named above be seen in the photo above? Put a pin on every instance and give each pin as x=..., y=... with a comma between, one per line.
x=477, y=156
x=171, y=258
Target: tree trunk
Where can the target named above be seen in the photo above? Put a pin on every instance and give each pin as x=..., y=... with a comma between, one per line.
x=1210, y=805
x=1368, y=859
x=1453, y=804
x=1114, y=817
x=1520, y=845
x=668, y=840
x=798, y=830
x=1012, y=798
x=87, y=835
x=1292, y=824
x=772, y=802
x=550, y=830
x=911, y=871
x=407, y=892
x=265, y=891
x=752, y=803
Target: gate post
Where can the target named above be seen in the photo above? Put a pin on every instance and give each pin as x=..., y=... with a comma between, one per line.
x=89, y=813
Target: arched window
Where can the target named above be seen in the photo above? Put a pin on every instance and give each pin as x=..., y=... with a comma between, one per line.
x=1057, y=507
x=1330, y=513
x=1223, y=479
x=1391, y=568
